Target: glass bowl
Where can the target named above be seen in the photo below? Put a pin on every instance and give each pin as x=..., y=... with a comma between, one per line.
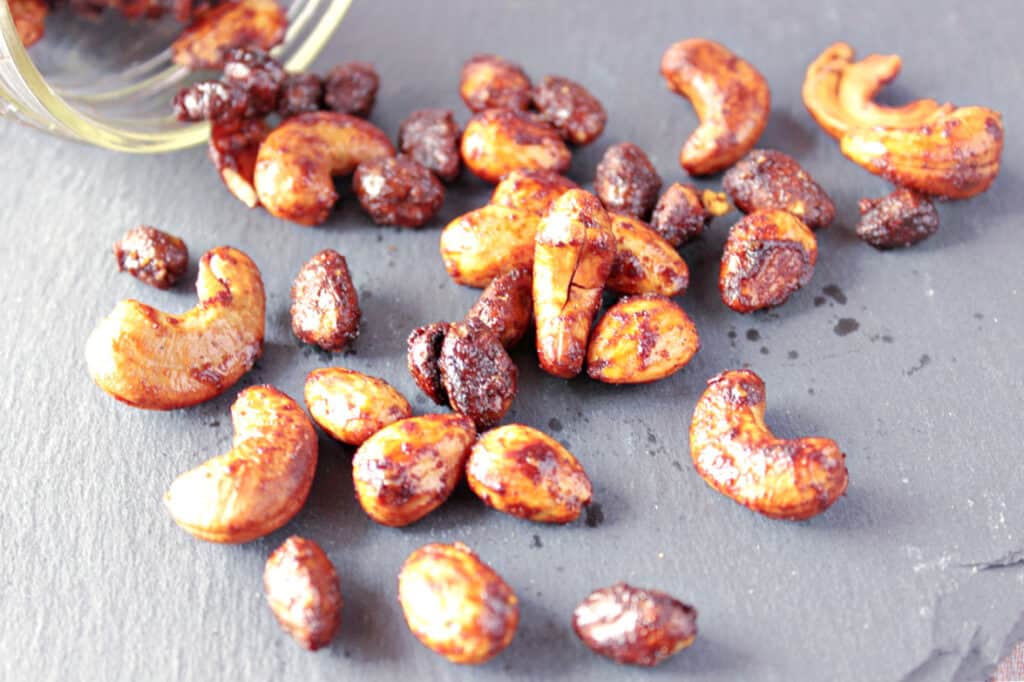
x=109, y=82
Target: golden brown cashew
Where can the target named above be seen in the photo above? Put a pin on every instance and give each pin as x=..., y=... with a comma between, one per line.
x=933, y=148
x=297, y=162
x=260, y=483
x=730, y=96
x=158, y=361
x=737, y=455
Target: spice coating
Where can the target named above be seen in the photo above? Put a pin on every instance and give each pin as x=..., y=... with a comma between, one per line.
x=431, y=138
x=233, y=24
x=152, y=256
x=424, y=352
x=351, y=406
x=901, y=218
x=644, y=262
x=351, y=88
x=479, y=377
x=680, y=216
x=300, y=93
x=325, y=305
x=491, y=82
x=626, y=181
x=499, y=141
x=505, y=306
x=233, y=148
x=570, y=108
x=768, y=179
x=303, y=592
x=397, y=191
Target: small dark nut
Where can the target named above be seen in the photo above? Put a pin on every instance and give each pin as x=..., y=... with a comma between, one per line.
x=424, y=352
x=397, y=191
x=259, y=24
x=680, y=215
x=325, y=306
x=478, y=375
x=300, y=92
x=351, y=88
x=626, y=181
x=258, y=74
x=499, y=141
x=506, y=306
x=490, y=82
x=211, y=101
x=151, y=256
x=902, y=218
x=303, y=592
x=568, y=106
x=768, y=179
x=634, y=626
x=233, y=149
x=431, y=137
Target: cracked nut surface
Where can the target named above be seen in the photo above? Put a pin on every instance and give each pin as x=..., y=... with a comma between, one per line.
x=397, y=191
x=492, y=82
x=29, y=18
x=260, y=483
x=214, y=30
x=296, y=163
x=901, y=218
x=409, y=468
x=456, y=605
x=431, y=138
x=478, y=375
x=233, y=149
x=526, y=473
x=737, y=455
x=352, y=406
x=303, y=592
x=325, y=306
x=574, y=252
x=683, y=212
x=641, y=339
x=532, y=191
x=634, y=626
x=499, y=141
x=424, y=352
x=768, y=179
x=937, y=149
x=644, y=262
x=626, y=181
x=159, y=361
x=570, y=108
x=151, y=256
x=768, y=256
x=731, y=99
x=351, y=88
x=505, y=306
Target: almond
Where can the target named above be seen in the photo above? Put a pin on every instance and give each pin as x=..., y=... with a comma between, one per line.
x=352, y=406
x=644, y=262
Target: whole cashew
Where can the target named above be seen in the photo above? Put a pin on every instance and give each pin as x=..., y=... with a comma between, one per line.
x=297, y=162
x=158, y=361
x=731, y=99
x=737, y=455
x=260, y=483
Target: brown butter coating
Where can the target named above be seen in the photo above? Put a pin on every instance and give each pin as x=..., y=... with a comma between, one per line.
x=626, y=181
x=424, y=352
x=397, y=191
x=257, y=24
x=151, y=256
x=303, y=592
x=491, y=82
x=431, y=138
x=768, y=179
x=499, y=141
x=570, y=108
x=351, y=88
x=505, y=306
x=479, y=377
x=351, y=406
x=325, y=305
x=233, y=149
x=901, y=218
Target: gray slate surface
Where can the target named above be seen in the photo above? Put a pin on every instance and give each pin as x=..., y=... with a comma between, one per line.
x=923, y=394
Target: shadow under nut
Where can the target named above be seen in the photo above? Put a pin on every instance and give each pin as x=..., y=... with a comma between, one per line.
x=737, y=455
x=731, y=99
x=296, y=165
x=258, y=485
x=159, y=361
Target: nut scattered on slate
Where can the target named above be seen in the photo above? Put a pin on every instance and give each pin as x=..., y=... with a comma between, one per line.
x=233, y=149
x=303, y=592
x=626, y=181
x=351, y=88
x=325, y=305
x=424, y=352
x=499, y=141
x=352, y=406
x=397, y=191
x=259, y=24
x=683, y=212
x=479, y=377
x=902, y=218
x=491, y=82
x=570, y=108
x=300, y=93
x=431, y=138
x=151, y=256
x=768, y=179
x=644, y=262
x=506, y=306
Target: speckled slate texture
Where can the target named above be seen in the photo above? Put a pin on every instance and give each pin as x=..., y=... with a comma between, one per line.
x=909, y=359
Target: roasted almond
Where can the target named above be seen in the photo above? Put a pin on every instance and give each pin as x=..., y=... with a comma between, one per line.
x=479, y=377
x=644, y=262
x=303, y=592
x=506, y=306
x=352, y=406
x=768, y=179
x=480, y=245
x=532, y=191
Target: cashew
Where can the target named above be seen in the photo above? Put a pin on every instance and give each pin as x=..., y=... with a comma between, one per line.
x=644, y=262
x=258, y=24
x=295, y=165
x=730, y=96
x=737, y=455
x=499, y=141
x=933, y=148
x=260, y=483
x=158, y=361
x=352, y=406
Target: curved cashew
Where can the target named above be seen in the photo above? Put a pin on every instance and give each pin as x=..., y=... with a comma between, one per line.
x=295, y=165
x=924, y=145
x=737, y=455
x=158, y=361
x=260, y=483
x=730, y=96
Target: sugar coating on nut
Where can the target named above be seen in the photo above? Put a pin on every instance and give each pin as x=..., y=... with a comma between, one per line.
x=505, y=306
x=351, y=88
x=478, y=375
x=233, y=149
x=644, y=262
x=499, y=141
x=424, y=352
x=768, y=179
x=249, y=87
x=431, y=137
x=568, y=106
x=680, y=215
x=257, y=24
x=491, y=82
x=351, y=406
x=303, y=592
x=397, y=191
x=626, y=181
x=901, y=218
x=531, y=190
x=151, y=256
x=300, y=93
x=325, y=306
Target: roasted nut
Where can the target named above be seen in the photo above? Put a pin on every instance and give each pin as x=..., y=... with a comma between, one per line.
x=768, y=179
x=933, y=148
x=233, y=150
x=300, y=94
x=768, y=256
x=151, y=256
x=634, y=626
x=351, y=406
x=303, y=592
x=737, y=455
x=351, y=88
x=570, y=108
x=397, y=191
x=296, y=162
x=456, y=604
x=641, y=339
x=260, y=483
x=325, y=306
x=424, y=352
x=158, y=361
x=683, y=212
x=626, y=181
x=409, y=468
x=532, y=191
x=499, y=141
x=29, y=18
x=902, y=218
x=479, y=377
x=235, y=23
x=431, y=138
x=523, y=472
x=731, y=99
x=490, y=82
x=249, y=87
x=574, y=252
x=644, y=262
x=505, y=306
